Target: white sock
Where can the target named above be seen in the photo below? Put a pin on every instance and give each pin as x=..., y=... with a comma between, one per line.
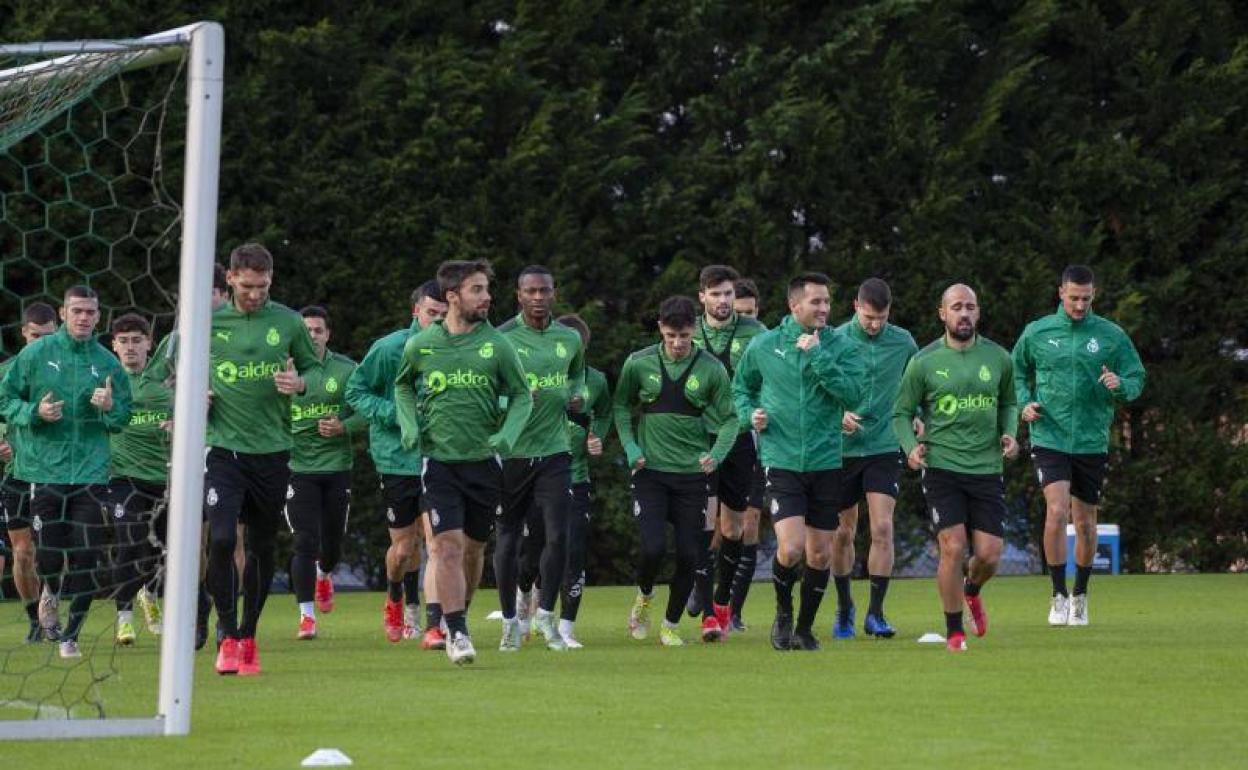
x=307, y=608
x=566, y=627
x=125, y=616
x=543, y=614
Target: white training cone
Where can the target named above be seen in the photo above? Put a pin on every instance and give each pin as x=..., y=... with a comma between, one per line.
x=931, y=637
x=326, y=758
x=495, y=615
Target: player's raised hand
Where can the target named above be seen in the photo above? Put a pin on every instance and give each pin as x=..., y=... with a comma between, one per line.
x=1009, y=447
x=288, y=381
x=102, y=398
x=917, y=458
x=850, y=423
x=49, y=410
x=1109, y=379
x=593, y=444
x=1031, y=412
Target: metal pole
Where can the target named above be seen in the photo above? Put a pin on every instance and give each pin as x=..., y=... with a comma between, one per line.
x=199, y=232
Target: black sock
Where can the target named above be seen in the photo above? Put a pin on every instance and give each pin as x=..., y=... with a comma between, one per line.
x=729, y=557
x=783, y=578
x=394, y=590
x=970, y=589
x=745, y=576
x=457, y=621
x=814, y=583
x=1082, y=576
x=433, y=615
x=879, y=588
x=32, y=611
x=1057, y=576
x=702, y=576
x=411, y=588
x=843, y=596
x=953, y=623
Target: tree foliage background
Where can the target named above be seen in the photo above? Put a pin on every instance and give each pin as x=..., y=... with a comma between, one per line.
x=625, y=145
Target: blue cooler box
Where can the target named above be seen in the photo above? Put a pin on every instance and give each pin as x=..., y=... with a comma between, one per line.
x=1108, y=550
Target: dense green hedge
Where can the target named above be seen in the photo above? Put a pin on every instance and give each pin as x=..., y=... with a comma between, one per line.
x=625, y=145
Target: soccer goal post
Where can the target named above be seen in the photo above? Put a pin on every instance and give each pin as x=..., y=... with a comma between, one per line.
x=42, y=82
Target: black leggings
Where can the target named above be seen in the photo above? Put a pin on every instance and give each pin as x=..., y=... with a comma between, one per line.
x=660, y=498
x=578, y=546
x=251, y=489
x=72, y=533
x=140, y=536
x=317, y=507
x=533, y=482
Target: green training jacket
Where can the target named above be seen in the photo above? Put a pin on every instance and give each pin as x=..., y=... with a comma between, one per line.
x=1057, y=362
x=370, y=394
x=554, y=366
x=449, y=390
x=75, y=449
x=884, y=359
x=673, y=436
x=325, y=397
x=805, y=394
x=141, y=449
x=247, y=350
x=967, y=402
x=595, y=415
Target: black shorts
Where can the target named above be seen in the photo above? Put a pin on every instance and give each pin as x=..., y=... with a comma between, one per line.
x=1086, y=472
x=731, y=482
x=582, y=500
x=314, y=498
x=139, y=511
x=758, y=484
x=243, y=488
x=971, y=499
x=465, y=496
x=880, y=474
x=678, y=499
x=813, y=495
x=401, y=496
x=15, y=503
x=536, y=487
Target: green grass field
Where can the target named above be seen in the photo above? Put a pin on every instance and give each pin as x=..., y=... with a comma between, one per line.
x=1160, y=679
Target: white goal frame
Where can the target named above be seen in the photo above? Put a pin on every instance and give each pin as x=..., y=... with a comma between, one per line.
x=204, y=43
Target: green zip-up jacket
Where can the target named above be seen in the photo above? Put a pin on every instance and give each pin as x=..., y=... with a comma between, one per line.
x=74, y=449
x=671, y=441
x=967, y=402
x=728, y=342
x=594, y=416
x=805, y=394
x=7, y=434
x=884, y=360
x=141, y=449
x=370, y=393
x=325, y=397
x=554, y=366
x=448, y=389
x=1057, y=362
x=247, y=413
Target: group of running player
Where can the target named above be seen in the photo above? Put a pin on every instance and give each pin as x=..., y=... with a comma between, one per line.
x=474, y=428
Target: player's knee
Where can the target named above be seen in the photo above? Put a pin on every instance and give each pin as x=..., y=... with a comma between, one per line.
x=882, y=533
x=1056, y=514
x=789, y=554
x=1085, y=529
x=23, y=553
x=952, y=546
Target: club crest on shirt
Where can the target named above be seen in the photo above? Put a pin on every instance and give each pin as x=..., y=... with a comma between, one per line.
x=560, y=350
x=693, y=383
x=486, y=350
x=1093, y=345
x=331, y=385
x=984, y=374
x=273, y=338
